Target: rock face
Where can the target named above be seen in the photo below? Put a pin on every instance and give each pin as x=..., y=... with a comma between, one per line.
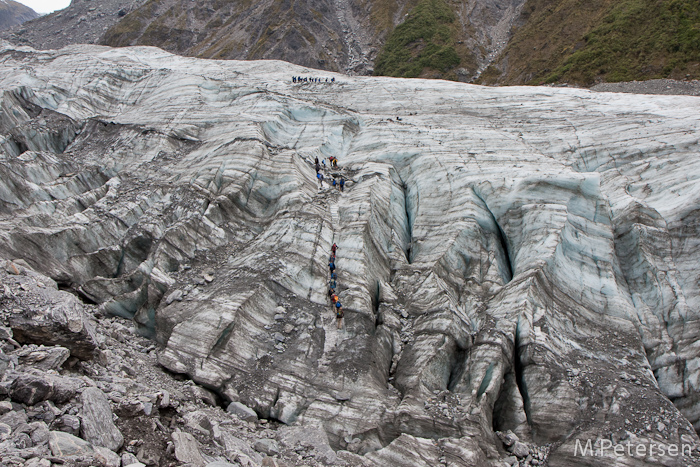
x=335, y=35
x=519, y=259
x=13, y=13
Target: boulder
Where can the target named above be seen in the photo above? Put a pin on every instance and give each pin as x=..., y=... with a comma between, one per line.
x=187, y=449
x=97, y=425
x=199, y=421
x=520, y=450
x=267, y=446
x=237, y=448
x=68, y=424
x=313, y=437
x=66, y=445
x=43, y=358
x=106, y=458
x=242, y=411
x=31, y=388
x=61, y=322
x=129, y=459
x=14, y=418
x=39, y=433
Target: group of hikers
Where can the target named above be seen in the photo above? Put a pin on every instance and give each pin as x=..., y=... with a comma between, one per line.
x=337, y=182
x=332, y=285
x=301, y=79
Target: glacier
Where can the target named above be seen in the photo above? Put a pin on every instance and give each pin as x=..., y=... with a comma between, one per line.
x=515, y=258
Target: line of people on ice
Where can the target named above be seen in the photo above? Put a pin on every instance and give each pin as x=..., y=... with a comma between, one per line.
x=332, y=283
x=338, y=182
x=303, y=79
x=332, y=286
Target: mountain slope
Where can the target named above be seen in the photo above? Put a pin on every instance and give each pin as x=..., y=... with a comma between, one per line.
x=336, y=35
x=82, y=22
x=601, y=40
x=487, y=41
x=13, y=13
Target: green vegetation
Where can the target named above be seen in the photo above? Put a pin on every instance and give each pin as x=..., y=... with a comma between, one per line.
x=586, y=41
x=127, y=31
x=424, y=43
x=638, y=39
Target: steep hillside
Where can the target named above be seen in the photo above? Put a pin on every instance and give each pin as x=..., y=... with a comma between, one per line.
x=316, y=33
x=584, y=42
x=486, y=41
x=83, y=22
x=13, y=13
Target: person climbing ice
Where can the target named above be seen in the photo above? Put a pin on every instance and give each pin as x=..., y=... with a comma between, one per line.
x=339, y=314
x=334, y=247
x=331, y=266
x=320, y=179
x=341, y=183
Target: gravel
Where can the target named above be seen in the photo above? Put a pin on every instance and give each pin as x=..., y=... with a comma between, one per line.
x=652, y=86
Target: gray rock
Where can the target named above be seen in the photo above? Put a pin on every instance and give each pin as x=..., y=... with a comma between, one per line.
x=242, y=411
x=205, y=395
x=221, y=464
x=22, y=440
x=69, y=424
x=511, y=460
x=14, y=418
x=272, y=462
x=5, y=406
x=39, y=433
x=520, y=450
x=5, y=431
x=130, y=408
x=37, y=462
x=175, y=296
x=66, y=445
x=313, y=437
x=237, y=448
x=129, y=459
x=509, y=438
x=267, y=446
x=43, y=358
x=106, y=458
x=62, y=323
x=37, y=387
x=199, y=421
x=97, y=425
x=5, y=333
x=187, y=449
